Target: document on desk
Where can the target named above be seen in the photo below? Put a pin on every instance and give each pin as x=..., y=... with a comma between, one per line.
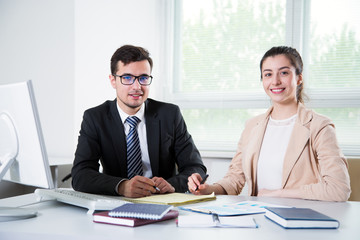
x=175, y=199
x=233, y=209
x=200, y=220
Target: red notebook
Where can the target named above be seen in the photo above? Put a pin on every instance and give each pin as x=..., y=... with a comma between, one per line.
x=103, y=217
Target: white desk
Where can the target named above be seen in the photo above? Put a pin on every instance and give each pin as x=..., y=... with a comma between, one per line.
x=60, y=221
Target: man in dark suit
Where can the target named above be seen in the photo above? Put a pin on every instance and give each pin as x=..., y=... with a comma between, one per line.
x=168, y=153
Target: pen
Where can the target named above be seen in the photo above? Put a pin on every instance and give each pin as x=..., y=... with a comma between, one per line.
x=156, y=188
x=202, y=181
x=66, y=177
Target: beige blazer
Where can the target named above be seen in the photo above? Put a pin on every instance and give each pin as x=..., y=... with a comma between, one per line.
x=313, y=164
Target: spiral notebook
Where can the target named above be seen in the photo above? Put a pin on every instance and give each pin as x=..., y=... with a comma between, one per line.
x=141, y=210
x=103, y=217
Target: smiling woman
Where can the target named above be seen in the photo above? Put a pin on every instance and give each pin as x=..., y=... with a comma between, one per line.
x=290, y=151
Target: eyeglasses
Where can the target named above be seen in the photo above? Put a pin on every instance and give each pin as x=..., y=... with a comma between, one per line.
x=128, y=79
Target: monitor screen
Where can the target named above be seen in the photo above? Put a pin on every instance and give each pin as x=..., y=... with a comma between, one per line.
x=23, y=154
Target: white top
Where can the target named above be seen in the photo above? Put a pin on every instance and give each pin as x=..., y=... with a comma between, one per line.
x=271, y=158
x=141, y=128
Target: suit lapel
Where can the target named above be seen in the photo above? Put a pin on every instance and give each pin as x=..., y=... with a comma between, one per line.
x=118, y=137
x=298, y=140
x=153, y=134
x=254, y=146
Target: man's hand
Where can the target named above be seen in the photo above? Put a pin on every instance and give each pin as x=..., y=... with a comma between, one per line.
x=138, y=186
x=163, y=185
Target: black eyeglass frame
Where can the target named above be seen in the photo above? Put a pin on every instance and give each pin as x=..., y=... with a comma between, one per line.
x=134, y=78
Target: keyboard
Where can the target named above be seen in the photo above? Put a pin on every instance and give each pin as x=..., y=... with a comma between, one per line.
x=92, y=202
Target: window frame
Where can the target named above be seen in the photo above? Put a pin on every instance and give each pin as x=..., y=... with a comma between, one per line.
x=297, y=33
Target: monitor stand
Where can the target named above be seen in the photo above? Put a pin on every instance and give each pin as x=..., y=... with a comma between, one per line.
x=15, y=213
x=9, y=144
x=8, y=152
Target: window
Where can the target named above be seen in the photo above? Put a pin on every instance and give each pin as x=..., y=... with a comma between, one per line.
x=332, y=50
x=218, y=46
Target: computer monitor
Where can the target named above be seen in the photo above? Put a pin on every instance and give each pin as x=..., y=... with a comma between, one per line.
x=23, y=156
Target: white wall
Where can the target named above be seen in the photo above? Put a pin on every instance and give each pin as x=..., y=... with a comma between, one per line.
x=37, y=43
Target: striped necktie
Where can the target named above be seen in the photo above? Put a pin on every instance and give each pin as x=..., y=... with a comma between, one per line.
x=134, y=163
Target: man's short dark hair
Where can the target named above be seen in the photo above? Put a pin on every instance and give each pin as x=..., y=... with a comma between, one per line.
x=128, y=54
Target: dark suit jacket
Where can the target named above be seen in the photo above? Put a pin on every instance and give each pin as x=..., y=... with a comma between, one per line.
x=173, y=154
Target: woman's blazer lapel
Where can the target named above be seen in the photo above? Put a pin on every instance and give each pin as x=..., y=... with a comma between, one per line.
x=252, y=151
x=299, y=139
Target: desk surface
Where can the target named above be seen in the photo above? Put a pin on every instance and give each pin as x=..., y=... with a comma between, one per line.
x=60, y=221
